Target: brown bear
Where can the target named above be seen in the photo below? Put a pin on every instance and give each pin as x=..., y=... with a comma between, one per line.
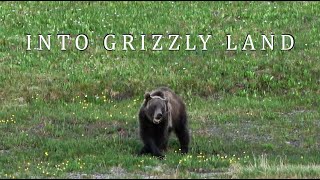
x=161, y=112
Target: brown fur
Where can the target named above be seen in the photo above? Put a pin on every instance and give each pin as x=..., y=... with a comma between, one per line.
x=172, y=111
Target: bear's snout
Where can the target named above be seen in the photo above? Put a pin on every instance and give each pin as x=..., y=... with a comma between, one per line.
x=159, y=116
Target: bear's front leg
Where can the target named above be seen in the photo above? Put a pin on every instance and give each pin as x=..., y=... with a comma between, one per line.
x=144, y=150
x=150, y=147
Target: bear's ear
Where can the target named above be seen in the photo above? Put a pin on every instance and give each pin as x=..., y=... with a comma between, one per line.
x=147, y=97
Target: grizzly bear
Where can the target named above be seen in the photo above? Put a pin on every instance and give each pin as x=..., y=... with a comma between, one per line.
x=161, y=112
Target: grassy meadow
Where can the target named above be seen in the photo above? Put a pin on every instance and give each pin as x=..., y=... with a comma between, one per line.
x=73, y=114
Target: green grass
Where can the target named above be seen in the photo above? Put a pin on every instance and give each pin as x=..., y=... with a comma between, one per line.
x=253, y=114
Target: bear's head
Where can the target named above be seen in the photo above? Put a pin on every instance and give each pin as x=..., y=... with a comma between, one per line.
x=156, y=108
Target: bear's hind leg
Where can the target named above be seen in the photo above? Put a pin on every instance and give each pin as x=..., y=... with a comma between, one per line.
x=184, y=138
